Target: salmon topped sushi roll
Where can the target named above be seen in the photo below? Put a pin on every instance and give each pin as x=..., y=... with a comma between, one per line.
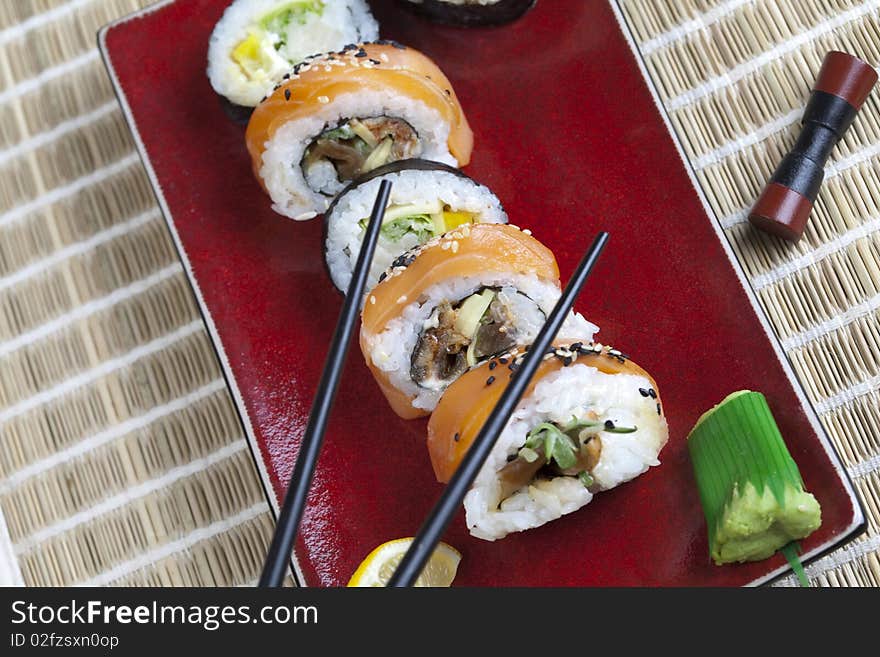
x=340, y=115
x=452, y=303
x=590, y=420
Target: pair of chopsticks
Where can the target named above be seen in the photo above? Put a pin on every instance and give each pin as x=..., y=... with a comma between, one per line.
x=429, y=535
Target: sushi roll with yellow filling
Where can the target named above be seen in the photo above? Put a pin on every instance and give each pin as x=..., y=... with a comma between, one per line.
x=427, y=199
x=257, y=41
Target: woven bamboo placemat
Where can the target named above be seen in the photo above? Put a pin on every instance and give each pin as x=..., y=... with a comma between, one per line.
x=121, y=457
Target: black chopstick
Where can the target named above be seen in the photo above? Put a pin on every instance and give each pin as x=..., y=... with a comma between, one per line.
x=278, y=558
x=441, y=515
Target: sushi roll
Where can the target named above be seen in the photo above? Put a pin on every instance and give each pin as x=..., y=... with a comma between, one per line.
x=427, y=200
x=341, y=115
x=256, y=42
x=451, y=304
x=471, y=12
x=590, y=420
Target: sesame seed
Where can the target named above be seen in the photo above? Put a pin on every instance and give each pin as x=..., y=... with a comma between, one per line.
x=401, y=299
x=566, y=361
x=503, y=360
x=383, y=56
x=493, y=365
x=609, y=425
x=644, y=393
x=658, y=408
x=287, y=94
x=527, y=232
x=490, y=380
x=372, y=300
x=456, y=437
x=323, y=100
x=455, y=247
x=653, y=393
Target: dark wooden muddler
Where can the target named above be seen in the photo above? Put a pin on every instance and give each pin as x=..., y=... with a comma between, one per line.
x=841, y=88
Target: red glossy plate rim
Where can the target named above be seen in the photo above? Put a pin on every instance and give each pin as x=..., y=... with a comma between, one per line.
x=858, y=523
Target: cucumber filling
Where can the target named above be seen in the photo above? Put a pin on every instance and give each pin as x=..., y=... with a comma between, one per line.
x=424, y=221
x=459, y=336
x=356, y=147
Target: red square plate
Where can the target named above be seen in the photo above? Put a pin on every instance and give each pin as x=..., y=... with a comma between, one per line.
x=569, y=136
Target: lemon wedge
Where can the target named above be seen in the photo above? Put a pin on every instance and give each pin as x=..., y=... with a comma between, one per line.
x=380, y=564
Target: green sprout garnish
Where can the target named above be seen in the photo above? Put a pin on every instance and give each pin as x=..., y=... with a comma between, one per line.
x=561, y=444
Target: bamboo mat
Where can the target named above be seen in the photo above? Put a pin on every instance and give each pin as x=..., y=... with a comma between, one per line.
x=121, y=457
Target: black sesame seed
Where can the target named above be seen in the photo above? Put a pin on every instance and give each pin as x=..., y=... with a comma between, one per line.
x=493, y=365
x=609, y=425
x=503, y=360
x=448, y=92
x=456, y=437
x=287, y=94
x=375, y=61
x=644, y=393
x=361, y=53
x=576, y=346
x=286, y=76
x=490, y=380
x=658, y=408
x=652, y=393
x=567, y=361
x=511, y=457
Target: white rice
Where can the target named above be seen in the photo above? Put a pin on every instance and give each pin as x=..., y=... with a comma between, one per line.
x=282, y=174
x=391, y=350
x=344, y=235
x=570, y=391
x=341, y=22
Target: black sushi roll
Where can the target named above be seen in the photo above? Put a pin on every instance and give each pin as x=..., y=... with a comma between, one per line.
x=427, y=199
x=471, y=12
